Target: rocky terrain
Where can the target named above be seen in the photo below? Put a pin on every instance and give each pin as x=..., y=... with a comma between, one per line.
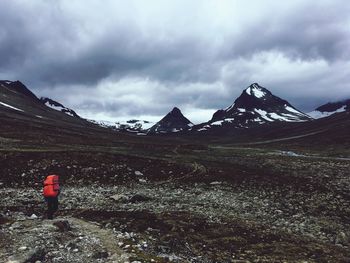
x=232, y=205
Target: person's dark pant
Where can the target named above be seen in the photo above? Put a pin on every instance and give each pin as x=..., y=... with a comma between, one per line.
x=52, y=206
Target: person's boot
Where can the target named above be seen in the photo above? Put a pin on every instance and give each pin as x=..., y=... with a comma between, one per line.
x=50, y=216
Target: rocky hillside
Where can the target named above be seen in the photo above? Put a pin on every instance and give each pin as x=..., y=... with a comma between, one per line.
x=25, y=118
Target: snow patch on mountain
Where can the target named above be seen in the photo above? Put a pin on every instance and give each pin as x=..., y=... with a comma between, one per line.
x=331, y=108
x=136, y=126
x=133, y=126
x=319, y=114
x=293, y=110
x=255, y=90
x=103, y=124
x=11, y=107
x=58, y=107
x=217, y=122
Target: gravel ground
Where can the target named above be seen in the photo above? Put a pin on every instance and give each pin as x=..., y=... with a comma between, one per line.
x=315, y=218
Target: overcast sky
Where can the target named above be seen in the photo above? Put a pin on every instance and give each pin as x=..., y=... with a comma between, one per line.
x=115, y=59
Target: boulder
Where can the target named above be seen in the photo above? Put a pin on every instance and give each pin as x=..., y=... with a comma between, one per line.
x=62, y=226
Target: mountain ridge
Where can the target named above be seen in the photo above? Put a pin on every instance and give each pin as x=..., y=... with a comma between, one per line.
x=58, y=106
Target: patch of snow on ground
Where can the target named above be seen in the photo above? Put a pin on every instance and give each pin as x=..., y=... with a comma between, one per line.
x=11, y=107
x=241, y=110
x=289, y=153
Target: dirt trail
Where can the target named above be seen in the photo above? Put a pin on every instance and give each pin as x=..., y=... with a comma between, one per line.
x=286, y=138
x=66, y=239
x=107, y=238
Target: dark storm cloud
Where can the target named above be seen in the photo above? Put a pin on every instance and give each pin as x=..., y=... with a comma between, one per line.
x=143, y=58
x=308, y=32
x=52, y=50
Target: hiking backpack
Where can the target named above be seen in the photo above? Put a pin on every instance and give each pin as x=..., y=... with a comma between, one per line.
x=51, y=186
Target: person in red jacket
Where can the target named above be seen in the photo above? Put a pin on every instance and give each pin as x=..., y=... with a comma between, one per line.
x=51, y=192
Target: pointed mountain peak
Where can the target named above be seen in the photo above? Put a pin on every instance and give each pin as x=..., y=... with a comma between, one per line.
x=176, y=111
x=256, y=90
x=174, y=121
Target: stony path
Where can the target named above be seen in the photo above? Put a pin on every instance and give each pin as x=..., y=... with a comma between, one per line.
x=65, y=239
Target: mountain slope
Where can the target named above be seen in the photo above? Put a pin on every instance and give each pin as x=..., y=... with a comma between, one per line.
x=255, y=106
x=58, y=106
x=18, y=101
x=25, y=119
x=174, y=121
x=17, y=87
x=330, y=109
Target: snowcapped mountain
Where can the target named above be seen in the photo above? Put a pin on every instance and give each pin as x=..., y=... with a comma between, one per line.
x=134, y=125
x=18, y=89
x=174, y=121
x=21, y=111
x=139, y=126
x=58, y=106
x=103, y=124
x=256, y=105
x=330, y=109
